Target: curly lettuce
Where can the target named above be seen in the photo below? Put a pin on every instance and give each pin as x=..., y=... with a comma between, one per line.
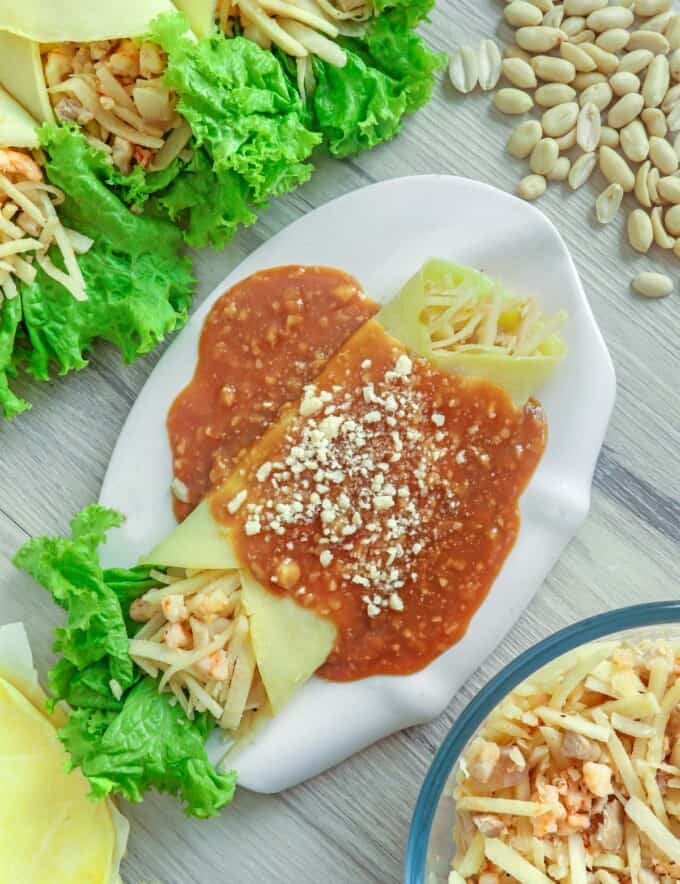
x=390, y=72
x=121, y=732
x=138, y=283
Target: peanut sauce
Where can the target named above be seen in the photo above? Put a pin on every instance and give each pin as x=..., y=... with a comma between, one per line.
x=386, y=500
x=263, y=340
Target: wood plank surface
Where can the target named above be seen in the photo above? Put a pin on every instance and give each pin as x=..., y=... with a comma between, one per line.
x=349, y=826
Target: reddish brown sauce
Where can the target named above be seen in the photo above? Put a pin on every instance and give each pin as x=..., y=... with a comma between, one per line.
x=262, y=342
x=385, y=500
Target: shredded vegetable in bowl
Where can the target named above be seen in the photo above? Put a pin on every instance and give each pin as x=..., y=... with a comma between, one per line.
x=30, y=226
x=575, y=776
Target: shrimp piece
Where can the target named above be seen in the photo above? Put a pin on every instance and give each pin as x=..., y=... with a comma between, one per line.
x=216, y=666
x=178, y=635
x=174, y=608
x=141, y=611
x=16, y=164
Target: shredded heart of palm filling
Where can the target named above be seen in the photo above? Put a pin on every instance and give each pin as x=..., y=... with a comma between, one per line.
x=196, y=636
x=30, y=226
x=575, y=776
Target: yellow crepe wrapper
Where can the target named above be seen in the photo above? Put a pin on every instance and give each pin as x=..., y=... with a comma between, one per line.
x=521, y=376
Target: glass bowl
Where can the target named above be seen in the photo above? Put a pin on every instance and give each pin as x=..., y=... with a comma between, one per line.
x=430, y=843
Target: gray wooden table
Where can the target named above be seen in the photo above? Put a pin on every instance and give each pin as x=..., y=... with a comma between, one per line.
x=350, y=825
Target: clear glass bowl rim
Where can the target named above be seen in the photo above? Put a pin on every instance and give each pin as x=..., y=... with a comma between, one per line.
x=599, y=626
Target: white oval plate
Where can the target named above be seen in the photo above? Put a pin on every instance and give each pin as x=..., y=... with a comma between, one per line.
x=382, y=234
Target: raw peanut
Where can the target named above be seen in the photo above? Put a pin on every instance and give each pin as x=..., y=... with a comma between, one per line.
x=524, y=138
x=554, y=18
x=653, y=285
x=673, y=220
x=531, y=187
x=641, y=186
x=588, y=128
x=673, y=118
x=516, y=52
x=584, y=36
x=672, y=32
x=560, y=171
x=538, y=39
x=663, y=156
x=651, y=40
x=615, y=169
x=512, y=101
x=640, y=233
x=580, y=59
x=543, y=5
x=581, y=170
x=567, y=141
x=652, y=182
x=634, y=142
x=599, y=94
x=636, y=60
x=624, y=82
x=651, y=7
x=674, y=65
x=661, y=236
x=610, y=17
x=655, y=121
x=669, y=189
x=573, y=26
x=553, y=93
x=559, y=120
x=609, y=137
x=613, y=41
x=519, y=72
x=544, y=156
x=625, y=110
x=676, y=145
x=671, y=98
x=463, y=71
x=585, y=81
x=520, y=14
x=656, y=82
x=659, y=22
x=607, y=62
x=553, y=70
x=608, y=203
x=583, y=7
x=489, y=63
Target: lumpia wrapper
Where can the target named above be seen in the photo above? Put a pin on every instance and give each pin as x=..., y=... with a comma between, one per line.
x=521, y=376
x=289, y=642
x=51, y=830
x=200, y=14
x=17, y=126
x=79, y=21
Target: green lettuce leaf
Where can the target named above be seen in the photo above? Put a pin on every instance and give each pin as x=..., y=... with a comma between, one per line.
x=139, y=286
x=147, y=743
x=10, y=317
x=124, y=735
x=209, y=204
x=95, y=630
x=241, y=107
x=389, y=73
x=415, y=10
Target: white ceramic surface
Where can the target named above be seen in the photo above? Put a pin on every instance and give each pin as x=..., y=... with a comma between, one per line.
x=382, y=234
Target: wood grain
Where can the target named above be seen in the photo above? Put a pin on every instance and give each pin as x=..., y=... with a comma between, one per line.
x=350, y=825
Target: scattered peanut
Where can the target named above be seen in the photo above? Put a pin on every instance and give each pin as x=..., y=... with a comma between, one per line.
x=653, y=285
x=532, y=187
x=640, y=232
x=608, y=203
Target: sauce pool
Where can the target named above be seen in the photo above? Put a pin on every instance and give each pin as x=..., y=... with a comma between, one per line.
x=261, y=343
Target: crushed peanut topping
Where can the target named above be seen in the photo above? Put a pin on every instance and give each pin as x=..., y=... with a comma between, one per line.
x=366, y=490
